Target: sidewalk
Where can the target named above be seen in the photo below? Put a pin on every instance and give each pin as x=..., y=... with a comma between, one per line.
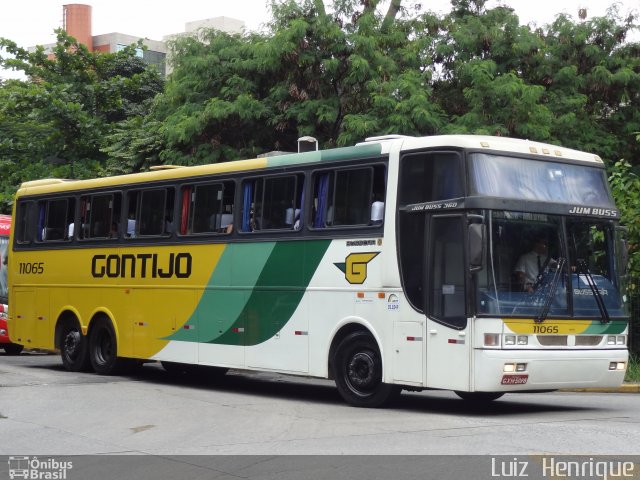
x=624, y=388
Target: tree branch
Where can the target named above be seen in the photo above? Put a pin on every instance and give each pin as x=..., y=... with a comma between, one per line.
x=393, y=10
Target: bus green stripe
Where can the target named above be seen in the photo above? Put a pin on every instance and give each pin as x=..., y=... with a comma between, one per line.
x=346, y=153
x=277, y=294
x=611, y=328
x=254, y=288
x=225, y=295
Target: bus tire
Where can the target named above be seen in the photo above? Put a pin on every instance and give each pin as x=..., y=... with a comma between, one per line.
x=73, y=348
x=357, y=370
x=479, y=397
x=13, y=348
x=103, y=349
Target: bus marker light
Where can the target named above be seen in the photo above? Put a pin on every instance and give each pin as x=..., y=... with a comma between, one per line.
x=521, y=367
x=509, y=367
x=189, y=327
x=491, y=340
x=300, y=332
x=382, y=295
x=455, y=341
x=360, y=294
x=238, y=330
x=414, y=339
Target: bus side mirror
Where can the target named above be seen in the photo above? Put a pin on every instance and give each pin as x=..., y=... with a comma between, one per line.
x=476, y=246
x=623, y=248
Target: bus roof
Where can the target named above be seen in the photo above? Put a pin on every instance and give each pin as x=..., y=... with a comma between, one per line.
x=371, y=147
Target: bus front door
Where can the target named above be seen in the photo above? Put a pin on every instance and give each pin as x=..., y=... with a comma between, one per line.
x=448, y=341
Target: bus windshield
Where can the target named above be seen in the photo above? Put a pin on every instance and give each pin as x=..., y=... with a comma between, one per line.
x=540, y=265
x=536, y=180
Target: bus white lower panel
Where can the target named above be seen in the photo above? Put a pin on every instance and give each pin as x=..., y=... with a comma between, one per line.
x=547, y=370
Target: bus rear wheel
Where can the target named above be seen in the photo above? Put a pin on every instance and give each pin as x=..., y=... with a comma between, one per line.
x=73, y=348
x=357, y=369
x=13, y=348
x=103, y=349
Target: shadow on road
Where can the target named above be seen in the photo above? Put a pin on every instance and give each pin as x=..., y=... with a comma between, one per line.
x=308, y=390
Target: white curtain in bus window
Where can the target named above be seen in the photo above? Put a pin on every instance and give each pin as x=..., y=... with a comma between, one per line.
x=519, y=178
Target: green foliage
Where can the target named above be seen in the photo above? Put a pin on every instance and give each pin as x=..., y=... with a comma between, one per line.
x=625, y=186
x=56, y=123
x=359, y=68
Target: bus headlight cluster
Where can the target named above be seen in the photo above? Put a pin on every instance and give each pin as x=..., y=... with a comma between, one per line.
x=516, y=340
x=616, y=340
x=617, y=366
x=3, y=332
x=514, y=367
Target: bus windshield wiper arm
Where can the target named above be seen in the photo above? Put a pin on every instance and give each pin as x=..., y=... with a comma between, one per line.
x=583, y=269
x=550, y=292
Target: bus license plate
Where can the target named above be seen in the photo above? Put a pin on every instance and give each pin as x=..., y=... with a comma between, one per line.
x=514, y=379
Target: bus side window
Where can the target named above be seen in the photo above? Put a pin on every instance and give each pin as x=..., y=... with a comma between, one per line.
x=207, y=208
x=273, y=203
x=26, y=214
x=150, y=212
x=99, y=216
x=53, y=218
x=349, y=197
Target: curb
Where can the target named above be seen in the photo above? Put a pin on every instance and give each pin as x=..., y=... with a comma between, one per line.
x=624, y=388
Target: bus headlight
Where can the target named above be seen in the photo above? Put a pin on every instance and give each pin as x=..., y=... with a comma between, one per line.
x=523, y=340
x=509, y=339
x=617, y=366
x=616, y=340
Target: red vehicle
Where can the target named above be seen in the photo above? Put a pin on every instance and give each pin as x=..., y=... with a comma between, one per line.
x=5, y=341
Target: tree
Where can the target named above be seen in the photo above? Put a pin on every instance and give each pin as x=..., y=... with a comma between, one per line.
x=54, y=123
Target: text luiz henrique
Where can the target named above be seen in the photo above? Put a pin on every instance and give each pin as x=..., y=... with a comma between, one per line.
x=553, y=468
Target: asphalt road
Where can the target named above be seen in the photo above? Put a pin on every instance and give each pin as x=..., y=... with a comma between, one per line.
x=45, y=410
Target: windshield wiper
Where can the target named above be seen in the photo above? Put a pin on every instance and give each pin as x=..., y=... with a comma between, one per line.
x=583, y=269
x=550, y=291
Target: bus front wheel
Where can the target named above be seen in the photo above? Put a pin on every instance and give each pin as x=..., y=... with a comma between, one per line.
x=73, y=348
x=103, y=349
x=357, y=369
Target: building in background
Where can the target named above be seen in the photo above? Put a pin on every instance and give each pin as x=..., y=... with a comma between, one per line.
x=77, y=18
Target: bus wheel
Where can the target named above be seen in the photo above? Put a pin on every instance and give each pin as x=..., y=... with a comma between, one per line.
x=13, y=349
x=479, y=397
x=103, y=349
x=73, y=348
x=357, y=369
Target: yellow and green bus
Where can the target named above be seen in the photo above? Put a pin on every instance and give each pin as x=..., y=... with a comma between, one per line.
x=389, y=265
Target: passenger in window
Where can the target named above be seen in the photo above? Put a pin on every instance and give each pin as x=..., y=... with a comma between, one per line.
x=113, y=233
